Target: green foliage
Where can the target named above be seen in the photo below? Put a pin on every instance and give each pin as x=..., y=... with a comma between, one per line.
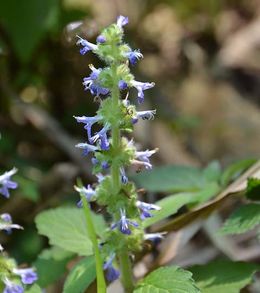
x=253, y=189
x=223, y=276
x=27, y=22
x=167, y=279
x=235, y=169
x=242, y=220
x=65, y=227
x=81, y=276
x=35, y=288
x=51, y=265
x=169, y=206
x=171, y=179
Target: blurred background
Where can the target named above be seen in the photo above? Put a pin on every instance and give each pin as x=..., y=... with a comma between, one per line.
x=203, y=56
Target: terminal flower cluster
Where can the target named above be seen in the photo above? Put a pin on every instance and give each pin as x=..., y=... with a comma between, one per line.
x=111, y=152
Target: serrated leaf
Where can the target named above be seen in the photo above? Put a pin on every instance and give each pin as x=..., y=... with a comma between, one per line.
x=81, y=276
x=65, y=227
x=242, y=220
x=54, y=258
x=171, y=179
x=235, y=169
x=253, y=189
x=168, y=280
x=223, y=276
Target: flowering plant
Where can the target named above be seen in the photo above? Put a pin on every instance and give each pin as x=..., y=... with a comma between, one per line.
x=112, y=152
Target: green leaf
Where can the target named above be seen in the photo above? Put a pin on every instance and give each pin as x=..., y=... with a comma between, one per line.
x=26, y=22
x=81, y=276
x=171, y=179
x=65, y=227
x=242, y=220
x=35, y=288
x=212, y=172
x=169, y=206
x=167, y=280
x=235, y=169
x=223, y=276
x=253, y=189
x=54, y=258
x=172, y=203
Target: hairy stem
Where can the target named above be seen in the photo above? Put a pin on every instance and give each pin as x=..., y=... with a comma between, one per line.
x=101, y=283
x=126, y=269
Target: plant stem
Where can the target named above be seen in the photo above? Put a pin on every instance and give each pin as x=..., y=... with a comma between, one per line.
x=101, y=283
x=126, y=269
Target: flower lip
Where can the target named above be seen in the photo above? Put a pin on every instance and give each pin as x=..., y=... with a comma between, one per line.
x=86, y=45
x=124, y=223
x=7, y=183
x=133, y=56
x=111, y=273
x=88, y=193
x=28, y=276
x=11, y=287
x=121, y=21
x=146, y=208
x=141, y=87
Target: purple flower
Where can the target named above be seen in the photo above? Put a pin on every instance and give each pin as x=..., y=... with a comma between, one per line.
x=141, y=87
x=91, y=83
x=88, y=121
x=101, y=39
x=102, y=137
x=124, y=178
x=28, y=276
x=94, y=161
x=88, y=192
x=11, y=287
x=144, y=156
x=7, y=183
x=87, y=46
x=100, y=177
x=123, y=223
x=104, y=165
x=121, y=21
x=154, y=237
x=146, y=208
x=6, y=223
x=134, y=56
x=122, y=85
x=145, y=115
x=111, y=273
x=87, y=148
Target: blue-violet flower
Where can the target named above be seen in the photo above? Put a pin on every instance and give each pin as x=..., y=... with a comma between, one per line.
x=141, y=87
x=123, y=223
x=111, y=273
x=87, y=46
x=28, y=275
x=7, y=183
